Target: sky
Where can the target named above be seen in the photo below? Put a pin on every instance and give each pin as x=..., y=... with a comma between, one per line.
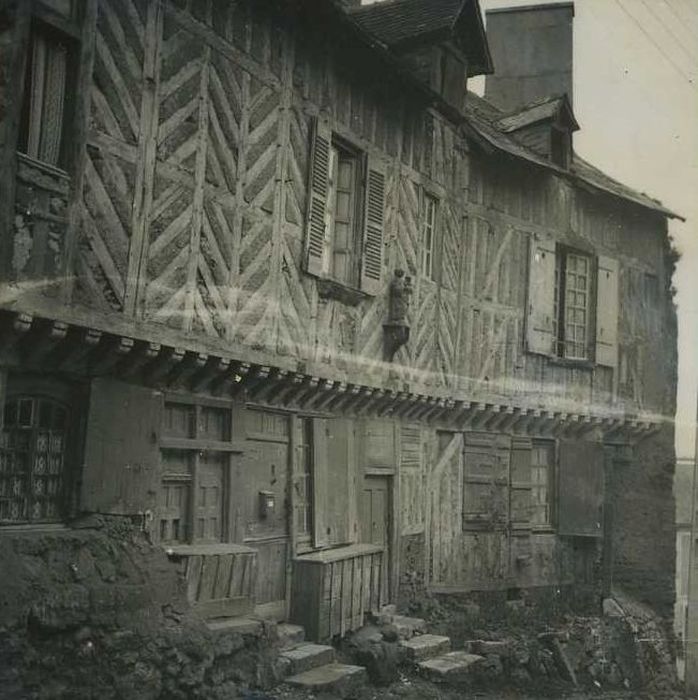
x=636, y=100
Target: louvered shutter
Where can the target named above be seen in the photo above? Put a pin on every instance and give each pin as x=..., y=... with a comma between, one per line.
x=54, y=100
x=374, y=215
x=607, y=312
x=316, y=253
x=541, y=297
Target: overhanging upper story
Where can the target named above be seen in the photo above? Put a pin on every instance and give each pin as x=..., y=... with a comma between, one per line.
x=210, y=184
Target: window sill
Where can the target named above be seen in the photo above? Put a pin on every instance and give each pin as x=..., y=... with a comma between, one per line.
x=330, y=289
x=572, y=364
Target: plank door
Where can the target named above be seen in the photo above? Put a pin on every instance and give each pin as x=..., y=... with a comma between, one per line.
x=266, y=469
x=209, y=504
x=374, y=516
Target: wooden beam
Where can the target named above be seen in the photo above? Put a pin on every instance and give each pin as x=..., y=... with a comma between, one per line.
x=181, y=373
x=142, y=354
x=521, y=424
x=374, y=401
x=431, y=405
x=214, y=367
x=538, y=420
x=159, y=367
x=338, y=389
x=416, y=406
x=257, y=380
x=109, y=353
x=73, y=353
x=349, y=395
x=445, y=407
x=307, y=385
x=387, y=403
x=41, y=340
x=498, y=419
x=14, y=328
x=399, y=405
x=323, y=391
x=309, y=393
x=484, y=416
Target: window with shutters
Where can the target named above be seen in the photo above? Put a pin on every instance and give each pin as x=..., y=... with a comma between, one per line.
x=572, y=304
x=48, y=93
x=346, y=202
x=342, y=216
x=429, y=219
x=195, y=451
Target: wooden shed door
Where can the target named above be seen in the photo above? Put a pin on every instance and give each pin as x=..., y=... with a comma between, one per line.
x=374, y=516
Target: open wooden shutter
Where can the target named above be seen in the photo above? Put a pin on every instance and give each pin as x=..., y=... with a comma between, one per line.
x=121, y=474
x=318, y=190
x=607, y=312
x=541, y=297
x=320, y=482
x=374, y=216
x=581, y=489
x=520, y=492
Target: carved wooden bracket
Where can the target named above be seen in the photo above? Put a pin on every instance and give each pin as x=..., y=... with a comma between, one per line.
x=395, y=336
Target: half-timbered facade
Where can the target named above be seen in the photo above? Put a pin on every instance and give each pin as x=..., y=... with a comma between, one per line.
x=331, y=326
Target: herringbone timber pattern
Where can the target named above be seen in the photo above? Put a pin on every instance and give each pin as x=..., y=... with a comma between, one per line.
x=111, y=184
x=451, y=259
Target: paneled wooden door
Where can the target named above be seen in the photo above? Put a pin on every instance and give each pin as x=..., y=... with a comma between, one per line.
x=374, y=518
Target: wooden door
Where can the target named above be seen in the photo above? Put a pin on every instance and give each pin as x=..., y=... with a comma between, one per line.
x=265, y=469
x=374, y=518
x=209, y=503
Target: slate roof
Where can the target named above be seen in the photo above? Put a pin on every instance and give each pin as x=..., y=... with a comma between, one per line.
x=484, y=119
x=395, y=22
x=540, y=110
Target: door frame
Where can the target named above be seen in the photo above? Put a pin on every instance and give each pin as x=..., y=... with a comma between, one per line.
x=392, y=511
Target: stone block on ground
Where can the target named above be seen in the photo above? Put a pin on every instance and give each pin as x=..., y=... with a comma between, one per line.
x=338, y=680
x=290, y=635
x=308, y=656
x=236, y=625
x=424, y=646
x=487, y=648
x=455, y=664
x=408, y=627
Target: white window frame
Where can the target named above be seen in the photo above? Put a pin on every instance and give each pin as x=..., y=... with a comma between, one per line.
x=430, y=216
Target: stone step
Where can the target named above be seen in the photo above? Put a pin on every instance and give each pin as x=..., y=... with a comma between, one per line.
x=290, y=635
x=425, y=646
x=408, y=627
x=235, y=625
x=307, y=656
x=455, y=663
x=338, y=680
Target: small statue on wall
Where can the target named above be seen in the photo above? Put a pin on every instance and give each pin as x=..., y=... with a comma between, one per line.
x=397, y=329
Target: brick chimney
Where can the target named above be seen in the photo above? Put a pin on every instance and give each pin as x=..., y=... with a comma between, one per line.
x=531, y=49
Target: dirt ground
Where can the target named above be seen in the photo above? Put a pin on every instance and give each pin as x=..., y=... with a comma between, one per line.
x=411, y=687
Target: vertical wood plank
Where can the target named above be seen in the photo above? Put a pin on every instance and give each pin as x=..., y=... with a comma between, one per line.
x=198, y=203
x=147, y=148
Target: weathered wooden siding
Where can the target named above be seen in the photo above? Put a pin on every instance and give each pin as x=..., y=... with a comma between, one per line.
x=509, y=205
x=195, y=195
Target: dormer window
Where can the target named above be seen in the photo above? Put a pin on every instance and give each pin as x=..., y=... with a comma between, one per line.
x=560, y=147
x=545, y=127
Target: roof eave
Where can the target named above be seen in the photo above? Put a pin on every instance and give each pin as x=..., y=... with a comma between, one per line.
x=575, y=177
